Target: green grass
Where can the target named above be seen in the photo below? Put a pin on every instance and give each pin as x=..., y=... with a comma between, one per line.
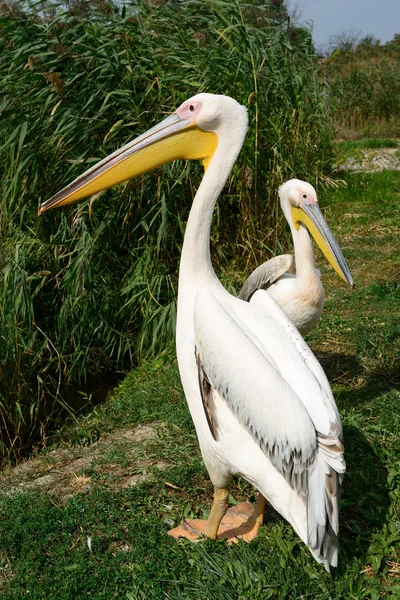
x=44, y=551
x=44, y=535
x=355, y=149
x=347, y=146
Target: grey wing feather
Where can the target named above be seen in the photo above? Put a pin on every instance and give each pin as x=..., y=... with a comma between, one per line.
x=324, y=485
x=265, y=275
x=206, y=392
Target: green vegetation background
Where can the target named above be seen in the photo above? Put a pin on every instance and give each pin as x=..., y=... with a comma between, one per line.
x=92, y=289
x=88, y=290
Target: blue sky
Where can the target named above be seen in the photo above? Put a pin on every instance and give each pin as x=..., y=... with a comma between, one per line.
x=381, y=18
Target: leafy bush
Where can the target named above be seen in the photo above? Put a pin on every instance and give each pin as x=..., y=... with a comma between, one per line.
x=94, y=287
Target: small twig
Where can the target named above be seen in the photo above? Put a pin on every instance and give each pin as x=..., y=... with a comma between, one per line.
x=171, y=485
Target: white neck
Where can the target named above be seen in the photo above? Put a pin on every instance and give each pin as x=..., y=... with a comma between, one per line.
x=303, y=251
x=195, y=260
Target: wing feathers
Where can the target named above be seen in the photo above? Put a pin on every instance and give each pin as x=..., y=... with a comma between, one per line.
x=326, y=408
x=323, y=503
x=261, y=393
x=261, y=400
x=265, y=275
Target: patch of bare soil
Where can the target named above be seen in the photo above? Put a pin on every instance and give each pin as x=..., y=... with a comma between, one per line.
x=69, y=470
x=372, y=161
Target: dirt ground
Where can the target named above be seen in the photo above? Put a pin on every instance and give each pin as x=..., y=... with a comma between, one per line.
x=69, y=470
x=371, y=161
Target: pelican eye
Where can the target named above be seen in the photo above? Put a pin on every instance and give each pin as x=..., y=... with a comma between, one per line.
x=304, y=195
x=191, y=107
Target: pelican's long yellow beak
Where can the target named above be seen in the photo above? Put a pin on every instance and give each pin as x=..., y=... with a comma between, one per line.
x=313, y=219
x=174, y=138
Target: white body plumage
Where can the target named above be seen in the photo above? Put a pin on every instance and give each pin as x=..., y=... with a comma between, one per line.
x=270, y=400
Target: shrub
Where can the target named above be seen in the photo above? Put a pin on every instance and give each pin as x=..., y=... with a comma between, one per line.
x=364, y=90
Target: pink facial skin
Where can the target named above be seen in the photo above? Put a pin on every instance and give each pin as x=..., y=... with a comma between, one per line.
x=190, y=110
x=307, y=199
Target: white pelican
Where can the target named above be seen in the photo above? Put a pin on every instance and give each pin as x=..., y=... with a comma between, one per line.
x=302, y=295
x=260, y=401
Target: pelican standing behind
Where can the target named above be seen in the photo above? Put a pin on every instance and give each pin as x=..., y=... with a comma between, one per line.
x=302, y=295
x=260, y=402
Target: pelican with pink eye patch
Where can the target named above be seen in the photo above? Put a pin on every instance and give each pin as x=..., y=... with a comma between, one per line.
x=307, y=199
x=301, y=295
x=261, y=405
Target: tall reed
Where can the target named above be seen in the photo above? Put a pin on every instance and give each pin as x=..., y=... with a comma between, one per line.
x=364, y=90
x=93, y=287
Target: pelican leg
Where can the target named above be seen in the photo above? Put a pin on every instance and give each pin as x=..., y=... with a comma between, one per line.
x=218, y=511
x=240, y=522
x=257, y=518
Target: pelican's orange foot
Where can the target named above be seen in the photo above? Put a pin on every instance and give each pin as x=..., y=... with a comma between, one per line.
x=237, y=524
